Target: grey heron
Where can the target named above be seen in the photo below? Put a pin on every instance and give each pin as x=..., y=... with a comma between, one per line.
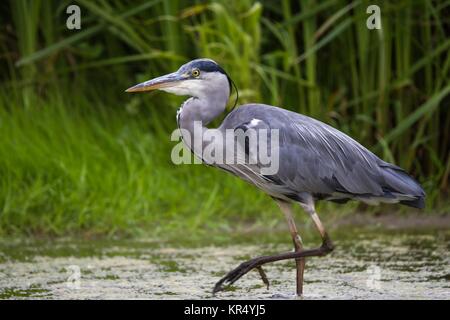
x=316, y=161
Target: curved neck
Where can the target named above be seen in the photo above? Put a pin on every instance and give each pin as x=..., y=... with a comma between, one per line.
x=195, y=114
x=203, y=109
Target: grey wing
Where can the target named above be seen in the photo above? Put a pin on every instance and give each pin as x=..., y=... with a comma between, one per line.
x=324, y=162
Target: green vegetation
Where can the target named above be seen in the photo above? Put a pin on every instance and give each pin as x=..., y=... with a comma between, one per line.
x=77, y=154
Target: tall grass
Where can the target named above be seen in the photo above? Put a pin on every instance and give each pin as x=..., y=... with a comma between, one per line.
x=76, y=153
x=72, y=166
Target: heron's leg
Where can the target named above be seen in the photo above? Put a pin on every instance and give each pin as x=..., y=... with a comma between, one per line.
x=311, y=210
x=326, y=247
x=286, y=207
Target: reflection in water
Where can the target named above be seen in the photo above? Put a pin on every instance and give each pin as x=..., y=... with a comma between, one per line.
x=362, y=267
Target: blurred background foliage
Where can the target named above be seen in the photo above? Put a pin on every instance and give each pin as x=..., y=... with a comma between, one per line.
x=78, y=154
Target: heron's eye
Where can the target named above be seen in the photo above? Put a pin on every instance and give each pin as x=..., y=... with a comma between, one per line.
x=195, y=73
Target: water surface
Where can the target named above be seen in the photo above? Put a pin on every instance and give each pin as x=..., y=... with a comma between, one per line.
x=363, y=266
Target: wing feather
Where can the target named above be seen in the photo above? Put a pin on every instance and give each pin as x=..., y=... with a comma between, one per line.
x=319, y=159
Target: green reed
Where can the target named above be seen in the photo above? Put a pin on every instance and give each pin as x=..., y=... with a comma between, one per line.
x=79, y=154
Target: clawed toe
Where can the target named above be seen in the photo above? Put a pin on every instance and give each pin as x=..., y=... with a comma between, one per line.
x=237, y=273
x=263, y=276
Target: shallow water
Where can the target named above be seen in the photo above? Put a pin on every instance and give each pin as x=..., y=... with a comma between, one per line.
x=363, y=266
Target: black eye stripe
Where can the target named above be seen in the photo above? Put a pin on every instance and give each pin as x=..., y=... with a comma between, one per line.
x=205, y=65
x=209, y=66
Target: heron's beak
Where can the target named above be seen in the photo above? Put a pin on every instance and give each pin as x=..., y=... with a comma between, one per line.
x=169, y=80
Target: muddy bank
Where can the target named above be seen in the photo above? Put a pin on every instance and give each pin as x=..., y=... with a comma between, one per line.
x=395, y=221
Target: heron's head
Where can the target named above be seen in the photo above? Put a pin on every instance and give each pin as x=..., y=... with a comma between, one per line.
x=197, y=78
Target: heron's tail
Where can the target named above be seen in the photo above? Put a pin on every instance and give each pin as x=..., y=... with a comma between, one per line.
x=402, y=186
x=418, y=203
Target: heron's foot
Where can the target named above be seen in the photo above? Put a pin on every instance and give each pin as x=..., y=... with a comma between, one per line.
x=245, y=267
x=238, y=272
